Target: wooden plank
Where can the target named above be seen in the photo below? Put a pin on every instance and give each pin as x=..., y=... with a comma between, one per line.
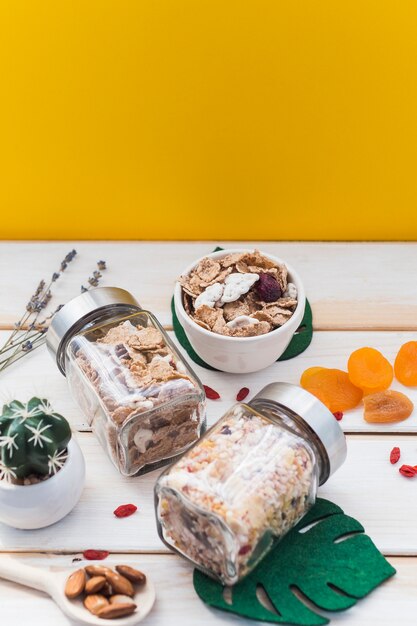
x=343, y=280
x=367, y=487
x=37, y=374
x=177, y=603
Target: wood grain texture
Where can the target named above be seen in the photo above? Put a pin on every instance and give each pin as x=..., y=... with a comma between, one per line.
x=367, y=487
x=350, y=285
x=394, y=602
x=37, y=374
x=361, y=287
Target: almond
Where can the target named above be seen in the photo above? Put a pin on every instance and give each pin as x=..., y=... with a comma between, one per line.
x=119, y=599
x=95, y=603
x=75, y=584
x=120, y=584
x=96, y=570
x=95, y=584
x=116, y=610
x=106, y=590
x=134, y=575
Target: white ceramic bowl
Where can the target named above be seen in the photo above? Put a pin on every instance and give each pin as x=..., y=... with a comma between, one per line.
x=43, y=504
x=240, y=355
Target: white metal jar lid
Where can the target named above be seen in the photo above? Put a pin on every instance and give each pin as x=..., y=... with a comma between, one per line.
x=82, y=310
x=314, y=414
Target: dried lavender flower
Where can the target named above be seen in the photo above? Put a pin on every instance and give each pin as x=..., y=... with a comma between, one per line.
x=29, y=331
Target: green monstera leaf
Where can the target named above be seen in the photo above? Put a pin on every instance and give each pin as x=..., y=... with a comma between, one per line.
x=33, y=439
x=325, y=561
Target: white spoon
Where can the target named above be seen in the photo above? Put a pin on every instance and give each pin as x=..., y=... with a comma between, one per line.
x=52, y=581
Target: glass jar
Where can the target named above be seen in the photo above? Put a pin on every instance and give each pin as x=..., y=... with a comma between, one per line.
x=248, y=481
x=141, y=399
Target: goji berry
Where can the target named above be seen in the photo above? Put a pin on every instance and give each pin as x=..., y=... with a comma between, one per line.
x=394, y=457
x=408, y=471
x=124, y=510
x=95, y=555
x=211, y=393
x=242, y=394
x=338, y=415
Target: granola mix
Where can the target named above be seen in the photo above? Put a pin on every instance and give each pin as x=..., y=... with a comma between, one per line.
x=145, y=406
x=246, y=483
x=243, y=294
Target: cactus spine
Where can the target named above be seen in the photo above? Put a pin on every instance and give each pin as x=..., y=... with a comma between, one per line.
x=33, y=440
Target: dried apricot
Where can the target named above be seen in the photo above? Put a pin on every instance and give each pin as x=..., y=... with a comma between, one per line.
x=305, y=376
x=405, y=366
x=369, y=370
x=333, y=388
x=387, y=406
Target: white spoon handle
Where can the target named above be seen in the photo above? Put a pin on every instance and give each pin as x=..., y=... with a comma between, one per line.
x=12, y=569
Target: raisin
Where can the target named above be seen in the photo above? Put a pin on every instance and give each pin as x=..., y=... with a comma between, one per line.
x=405, y=365
x=333, y=388
x=387, y=406
x=369, y=370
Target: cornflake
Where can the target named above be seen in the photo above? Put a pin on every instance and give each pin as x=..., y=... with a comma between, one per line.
x=215, y=294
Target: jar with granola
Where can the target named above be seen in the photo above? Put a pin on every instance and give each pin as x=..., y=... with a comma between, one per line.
x=227, y=501
x=142, y=400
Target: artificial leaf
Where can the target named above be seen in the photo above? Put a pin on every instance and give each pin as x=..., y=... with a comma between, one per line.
x=300, y=341
x=326, y=562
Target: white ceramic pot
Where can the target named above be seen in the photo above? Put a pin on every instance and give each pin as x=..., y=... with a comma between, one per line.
x=43, y=504
x=240, y=355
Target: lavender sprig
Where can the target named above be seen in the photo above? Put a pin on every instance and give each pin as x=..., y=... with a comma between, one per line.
x=39, y=299
x=29, y=332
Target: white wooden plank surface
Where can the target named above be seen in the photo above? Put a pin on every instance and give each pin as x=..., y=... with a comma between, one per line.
x=392, y=603
x=367, y=487
x=37, y=374
x=350, y=285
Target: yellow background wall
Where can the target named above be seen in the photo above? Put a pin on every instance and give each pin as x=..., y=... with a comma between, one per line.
x=208, y=119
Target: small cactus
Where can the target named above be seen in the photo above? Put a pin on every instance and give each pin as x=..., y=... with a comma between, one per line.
x=33, y=440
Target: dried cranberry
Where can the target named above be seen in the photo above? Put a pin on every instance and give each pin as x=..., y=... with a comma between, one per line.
x=211, y=393
x=242, y=394
x=268, y=288
x=95, y=555
x=338, y=415
x=124, y=510
x=245, y=549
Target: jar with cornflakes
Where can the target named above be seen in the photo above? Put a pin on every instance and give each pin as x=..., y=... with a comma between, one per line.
x=140, y=397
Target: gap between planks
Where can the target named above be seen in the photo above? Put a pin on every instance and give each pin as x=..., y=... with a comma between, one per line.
x=39, y=553
x=84, y=429
x=336, y=328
